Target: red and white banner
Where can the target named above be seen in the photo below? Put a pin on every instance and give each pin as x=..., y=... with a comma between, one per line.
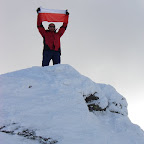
x=51, y=15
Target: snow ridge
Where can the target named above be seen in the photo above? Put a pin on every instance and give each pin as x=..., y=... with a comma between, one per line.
x=58, y=102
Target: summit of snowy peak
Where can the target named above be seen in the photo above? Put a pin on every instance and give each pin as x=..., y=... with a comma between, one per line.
x=56, y=104
x=65, y=78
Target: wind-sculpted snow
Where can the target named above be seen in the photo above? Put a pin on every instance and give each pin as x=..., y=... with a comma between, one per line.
x=58, y=104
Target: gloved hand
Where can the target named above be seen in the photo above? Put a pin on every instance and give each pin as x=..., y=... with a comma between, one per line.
x=67, y=13
x=38, y=9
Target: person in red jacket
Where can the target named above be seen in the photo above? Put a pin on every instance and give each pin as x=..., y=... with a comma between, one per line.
x=51, y=40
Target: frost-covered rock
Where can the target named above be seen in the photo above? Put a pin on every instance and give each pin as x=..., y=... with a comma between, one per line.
x=57, y=104
x=96, y=103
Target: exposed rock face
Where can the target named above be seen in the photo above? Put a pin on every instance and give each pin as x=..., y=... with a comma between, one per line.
x=15, y=129
x=91, y=103
x=94, y=104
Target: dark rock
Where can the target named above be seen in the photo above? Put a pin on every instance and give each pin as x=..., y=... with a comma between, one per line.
x=2, y=127
x=116, y=112
x=93, y=107
x=29, y=134
x=91, y=103
x=91, y=97
x=8, y=132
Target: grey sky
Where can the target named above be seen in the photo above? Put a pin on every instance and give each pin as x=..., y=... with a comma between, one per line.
x=104, y=41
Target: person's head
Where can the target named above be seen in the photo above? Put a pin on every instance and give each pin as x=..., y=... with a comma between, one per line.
x=51, y=27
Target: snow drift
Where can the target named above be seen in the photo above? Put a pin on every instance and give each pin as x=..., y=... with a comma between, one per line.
x=57, y=104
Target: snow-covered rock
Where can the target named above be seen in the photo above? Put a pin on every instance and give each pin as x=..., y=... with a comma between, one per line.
x=57, y=104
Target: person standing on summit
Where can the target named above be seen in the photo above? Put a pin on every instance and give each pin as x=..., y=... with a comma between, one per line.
x=51, y=40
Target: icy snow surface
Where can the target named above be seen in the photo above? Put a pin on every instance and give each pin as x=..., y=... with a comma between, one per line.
x=50, y=102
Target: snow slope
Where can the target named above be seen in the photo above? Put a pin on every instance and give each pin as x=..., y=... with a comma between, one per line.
x=47, y=105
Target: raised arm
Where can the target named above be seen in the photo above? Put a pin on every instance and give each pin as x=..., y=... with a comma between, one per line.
x=64, y=26
x=39, y=25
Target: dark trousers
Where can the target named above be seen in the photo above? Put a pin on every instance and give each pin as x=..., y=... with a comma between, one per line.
x=50, y=55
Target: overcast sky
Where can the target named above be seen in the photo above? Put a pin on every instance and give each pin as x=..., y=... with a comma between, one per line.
x=104, y=41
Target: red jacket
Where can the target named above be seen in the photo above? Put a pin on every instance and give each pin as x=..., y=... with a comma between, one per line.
x=52, y=39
